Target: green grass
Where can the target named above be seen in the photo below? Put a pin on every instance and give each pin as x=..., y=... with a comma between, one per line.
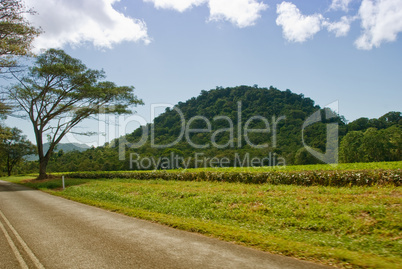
x=356, y=227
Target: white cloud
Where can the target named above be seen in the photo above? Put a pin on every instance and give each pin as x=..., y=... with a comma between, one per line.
x=297, y=27
x=340, y=4
x=179, y=5
x=381, y=21
x=241, y=13
x=75, y=22
x=340, y=28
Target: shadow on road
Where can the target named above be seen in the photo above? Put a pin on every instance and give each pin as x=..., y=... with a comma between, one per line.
x=6, y=186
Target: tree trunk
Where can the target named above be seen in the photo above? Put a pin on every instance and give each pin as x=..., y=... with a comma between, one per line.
x=42, y=168
x=8, y=165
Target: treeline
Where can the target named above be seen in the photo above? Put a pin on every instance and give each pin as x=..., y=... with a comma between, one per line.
x=14, y=146
x=373, y=140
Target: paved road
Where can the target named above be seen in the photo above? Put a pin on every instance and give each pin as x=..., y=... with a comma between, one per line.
x=38, y=230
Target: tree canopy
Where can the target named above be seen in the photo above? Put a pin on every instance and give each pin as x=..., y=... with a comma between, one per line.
x=16, y=33
x=13, y=147
x=58, y=92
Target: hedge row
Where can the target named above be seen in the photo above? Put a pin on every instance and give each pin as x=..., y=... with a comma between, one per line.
x=303, y=178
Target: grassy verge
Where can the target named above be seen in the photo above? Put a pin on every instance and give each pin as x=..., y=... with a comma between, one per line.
x=351, y=227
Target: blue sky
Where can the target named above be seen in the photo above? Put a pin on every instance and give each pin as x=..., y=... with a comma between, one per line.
x=348, y=51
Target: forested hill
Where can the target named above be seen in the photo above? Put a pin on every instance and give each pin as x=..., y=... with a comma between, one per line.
x=281, y=113
x=232, y=124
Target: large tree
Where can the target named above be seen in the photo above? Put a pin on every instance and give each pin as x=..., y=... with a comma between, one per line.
x=59, y=92
x=16, y=33
x=13, y=147
x=16, y=36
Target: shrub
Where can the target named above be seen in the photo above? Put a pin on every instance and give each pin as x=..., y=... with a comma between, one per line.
x=304, y=178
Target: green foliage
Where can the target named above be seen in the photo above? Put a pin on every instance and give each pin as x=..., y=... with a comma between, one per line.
x=302, y=157
x=393, y=135
x=13, y=147
x=349, y=147
x=4, y=109
x=16, y=34
x=372, y=145
x=389, y=119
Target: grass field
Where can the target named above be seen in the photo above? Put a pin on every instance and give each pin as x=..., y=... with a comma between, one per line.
x=351, y=227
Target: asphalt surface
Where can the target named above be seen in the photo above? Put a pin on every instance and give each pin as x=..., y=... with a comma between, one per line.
x=38, y=230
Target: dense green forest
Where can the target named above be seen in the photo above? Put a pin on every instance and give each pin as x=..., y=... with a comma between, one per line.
x=240, y=126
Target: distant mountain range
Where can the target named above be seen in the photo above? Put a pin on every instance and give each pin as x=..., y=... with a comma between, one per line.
x=66, y=147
